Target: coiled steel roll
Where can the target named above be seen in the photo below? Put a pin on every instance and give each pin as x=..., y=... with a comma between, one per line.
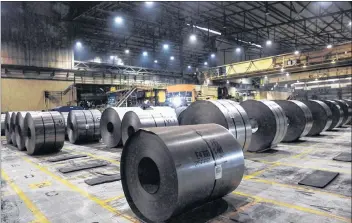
x=179, y=112
x=83, y=125
x=8, y=129
x=322, y=116
x=170, y=170
x=349, y=102
x=13, y=127
x=110, y=124
x=299, y=117
x=44, y=132
x=3, y=124
x=337, y=113
x=19, y=130
x=65, y=116
x=268, y=122
x=226, y=113
x=347, y=112
x=134, y=120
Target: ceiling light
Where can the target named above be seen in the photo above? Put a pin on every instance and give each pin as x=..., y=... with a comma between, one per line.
x=287, y=74
x=206, y=29
x=127, y=51
x=172, y=58
x=329, y=46
x=350, y=23
x=79, y=44
x=189, y=67
x=118, y=20
x=296, y=52
x=149, y=3
x=227, y=82
x=205, y=63
x=282, y=69
x=193, y=37
x=155, y=61
x=269, y=42
x=145, y=53
x=238, y=50
x=122, y=64
x=212, y=55
x=112, y=57
x=265, y=77
x=166, y=46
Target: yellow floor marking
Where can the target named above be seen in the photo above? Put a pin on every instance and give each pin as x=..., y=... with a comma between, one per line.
x=39, y=216
x=79, y=190
x=94, y=156
x=257, y=173
x=292, y=206
x=298, y=187
x=114, y=198
x=40, y=185
x=298, y=156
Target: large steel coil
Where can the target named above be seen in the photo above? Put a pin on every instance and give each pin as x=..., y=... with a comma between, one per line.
x=269, y=124
x=83, y=126
x=65, y=116
x=179, y=112
x=299, y=118
x=8, y=129
x=44, y=132
x=349, y=102
x=226, y=113
x=19, y=130
x=13, y=128
x=110, y=124
x=322, y=116
x=347, y=112
x=169, y=170
x=3, y=124
x=337, y=113
x=135, y=120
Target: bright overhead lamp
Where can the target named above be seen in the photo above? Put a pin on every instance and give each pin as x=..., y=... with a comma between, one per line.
x=206, y=29
x=350, y=23
x=165, y=46
x=112, y=57
x=265, y=77
x=296, y=52
x=155, y=61
x=238, y=50
x=127, y=51
x=212, y=55
x=193, y=37
x=205, y=63
x=282, y=69
x=329, y=46
x=149, y=3
x=287, y=74
x=145, y=53
x=118, y=20
x=78, y=44
x=269, y=42
x=227, y=82
x=189, y=67
x=172, y=58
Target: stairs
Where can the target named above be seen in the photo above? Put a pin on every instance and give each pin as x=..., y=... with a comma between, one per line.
x=125, y=96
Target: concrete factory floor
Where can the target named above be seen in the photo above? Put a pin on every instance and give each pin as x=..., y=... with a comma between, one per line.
x=33, y=190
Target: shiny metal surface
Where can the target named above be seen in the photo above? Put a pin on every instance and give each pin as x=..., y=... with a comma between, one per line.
x=322, y=116
x=83, y=125
x=13, y=127
x=337, y=113
x=226, y=113
x=65, y=116
x=270, y=124
x=110, y=124
x=299, y=118
x=34, y=133
x=169, y=170
x=179, y=111
x=3, y=124
x=19, y=130
x=8, y=127
x=134, y=120
x=347, y=112
x=59, y=126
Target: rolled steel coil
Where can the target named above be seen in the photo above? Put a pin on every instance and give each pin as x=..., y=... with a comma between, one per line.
x=179, y=112
x=347, y=112
x=19, y=130
x=322, y=116
x=13, y=128
x=3, y=124
x=349, y=102
x=44, y=132
x=299, y=118
x=8, y=129
x=110, y=124
x=268, y=122
x=169, y=170
x=65, y=116
x=135, y=120
x=83, y=125
x=226, y=113
x=337, y=113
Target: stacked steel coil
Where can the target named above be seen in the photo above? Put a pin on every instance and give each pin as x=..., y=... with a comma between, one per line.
x=299, y=118
x=83, y=125
x=13, y=127
x=322, y=116
x=269, y=124
x=337, y=113
x=110, y=124
x=65, y=116
x=8, y=129
x=19, y=130
x=226, y=113
x=166, y=171
x=44, y=132
x=349, y=102
x=134, y=120
x=347, y=112
x=179, y=112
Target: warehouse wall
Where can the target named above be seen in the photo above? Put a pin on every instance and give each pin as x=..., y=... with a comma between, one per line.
x=28, y=95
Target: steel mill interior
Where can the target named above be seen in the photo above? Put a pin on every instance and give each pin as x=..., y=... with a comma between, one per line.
x=176, y=111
